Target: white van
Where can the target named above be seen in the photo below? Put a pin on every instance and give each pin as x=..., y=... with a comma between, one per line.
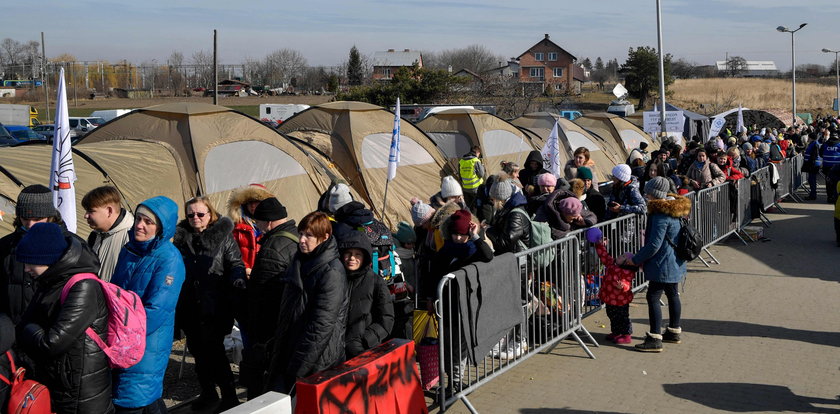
x=280, y=112
x=84, y=124
x=109, y=114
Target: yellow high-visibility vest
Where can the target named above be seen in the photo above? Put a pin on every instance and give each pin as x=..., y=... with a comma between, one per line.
x=469, y=180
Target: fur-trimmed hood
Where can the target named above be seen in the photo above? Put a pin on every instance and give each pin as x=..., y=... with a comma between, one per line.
x=443, y=213
x=242, y=196
x=211, y=237
x=678, y=207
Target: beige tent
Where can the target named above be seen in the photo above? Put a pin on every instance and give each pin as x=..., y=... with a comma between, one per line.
x=457, y=130
x=356, y=137
x=624, y=135
x=571, y=137
x=180, y=150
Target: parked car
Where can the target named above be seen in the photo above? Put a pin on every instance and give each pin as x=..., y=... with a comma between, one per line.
x=83, y=125
x=23, y=133
x=47, y=130
x=6, y=139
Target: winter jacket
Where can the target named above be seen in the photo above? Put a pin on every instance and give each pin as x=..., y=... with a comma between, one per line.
x=370, y=315
x=508, y=228
x=596, y=203
x=212, y=264
x=706, y=176
x=7, y=339
x=53, y=336
x=244, y=232
x=16, y=286
x=153, y=269
x=313, y=305
x=729, y=171
x=276, y=252
x=657, y=256
x=616, y=287
x=526, y=175
x=453, y=256
x=629, y=197
x=555, y=220
x=108, y=244
x=571, y=170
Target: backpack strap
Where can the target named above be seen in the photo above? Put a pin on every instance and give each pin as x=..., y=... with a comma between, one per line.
x=289, y=236
x=80, y=276
x=11, y=366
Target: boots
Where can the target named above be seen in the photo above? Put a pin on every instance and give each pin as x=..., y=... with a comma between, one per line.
x=623, y=339
x=611, y=337
x=652, y=343
x=207, y=399
x=672, y=335
x=229, y=398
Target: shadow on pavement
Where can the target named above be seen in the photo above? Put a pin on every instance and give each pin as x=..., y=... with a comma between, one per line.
x=745, y=397
x=563, y=411
x=735, y=328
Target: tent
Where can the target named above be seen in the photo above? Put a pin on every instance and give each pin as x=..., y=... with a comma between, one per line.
x=181, y=150
x=695, y=124
x=456, y=131
x=356, y=138
x=618, y=131
x=571, y=137
x=754, y=116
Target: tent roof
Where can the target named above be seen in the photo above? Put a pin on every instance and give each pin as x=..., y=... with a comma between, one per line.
x=686, y=113
x=348, y=106
x=186, y=108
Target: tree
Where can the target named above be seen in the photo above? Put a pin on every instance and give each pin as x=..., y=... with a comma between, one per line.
x=176, y=79
x=735, y=66
x=599, y=74
x=612, y=69
x=281, y=66
x=411, y=84
x=683, y=69
x=203, y=68
x=355, y=73
x=587, y=64
x=641, y=72
x=476, y=58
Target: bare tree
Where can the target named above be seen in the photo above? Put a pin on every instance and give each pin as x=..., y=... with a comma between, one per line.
x=683, y=69
x=476, y=58
x=735, y=66
x=281, y=66
x=203, y=62
x=174, y=73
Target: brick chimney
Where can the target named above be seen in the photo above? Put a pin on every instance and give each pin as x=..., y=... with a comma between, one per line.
x=546, y=36
x=391, y=50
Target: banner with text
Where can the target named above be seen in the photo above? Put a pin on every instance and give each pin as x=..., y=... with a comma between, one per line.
x=674, y=122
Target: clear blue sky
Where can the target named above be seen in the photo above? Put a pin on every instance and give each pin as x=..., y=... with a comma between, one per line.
x=324, y=30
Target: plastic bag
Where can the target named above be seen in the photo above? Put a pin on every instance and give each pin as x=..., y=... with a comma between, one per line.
x=424, y=325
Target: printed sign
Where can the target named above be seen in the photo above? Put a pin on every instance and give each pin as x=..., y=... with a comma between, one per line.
x=674, y=121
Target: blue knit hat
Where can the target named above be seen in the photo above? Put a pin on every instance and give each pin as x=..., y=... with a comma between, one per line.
x=43, y=244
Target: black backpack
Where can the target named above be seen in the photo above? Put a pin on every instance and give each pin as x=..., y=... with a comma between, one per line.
x=689, y=243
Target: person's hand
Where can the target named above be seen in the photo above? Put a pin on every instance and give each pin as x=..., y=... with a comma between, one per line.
x=484, y=224
x=239, y=284
x=579, y=220
x=615, y=208
x=430, y=305
x=247, y=272
x=604, y=242
x=473, y=229
x=629, y=262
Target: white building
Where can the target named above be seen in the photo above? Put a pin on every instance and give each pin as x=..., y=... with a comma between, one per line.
x=755, y=68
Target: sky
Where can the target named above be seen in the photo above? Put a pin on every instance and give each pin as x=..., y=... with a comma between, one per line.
x=700, y=31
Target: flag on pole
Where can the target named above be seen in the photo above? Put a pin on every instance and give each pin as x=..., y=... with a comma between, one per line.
x=62, y=172
x=551, y=151
x=394, y=154
x=740, y=127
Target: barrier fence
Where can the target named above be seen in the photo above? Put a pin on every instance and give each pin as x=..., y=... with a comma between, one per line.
x=557, y=296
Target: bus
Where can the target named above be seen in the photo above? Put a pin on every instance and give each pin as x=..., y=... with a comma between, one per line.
x=21, y=83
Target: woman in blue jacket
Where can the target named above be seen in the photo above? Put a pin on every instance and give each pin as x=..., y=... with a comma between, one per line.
x=663, y=269
x=151, y=266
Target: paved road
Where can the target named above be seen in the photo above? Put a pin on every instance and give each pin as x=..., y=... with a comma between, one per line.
x=761, y=334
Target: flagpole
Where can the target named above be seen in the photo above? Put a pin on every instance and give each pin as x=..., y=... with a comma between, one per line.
x=393, y=156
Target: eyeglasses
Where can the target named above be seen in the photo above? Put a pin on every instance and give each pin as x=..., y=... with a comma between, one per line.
x=200, y=215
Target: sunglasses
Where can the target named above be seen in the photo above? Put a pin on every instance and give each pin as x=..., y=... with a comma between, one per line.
x=200, y=215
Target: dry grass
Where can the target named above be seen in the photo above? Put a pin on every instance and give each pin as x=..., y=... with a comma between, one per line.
x=719, y=94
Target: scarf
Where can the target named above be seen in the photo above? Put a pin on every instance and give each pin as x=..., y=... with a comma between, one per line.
x=699, y=165
x=459, y=251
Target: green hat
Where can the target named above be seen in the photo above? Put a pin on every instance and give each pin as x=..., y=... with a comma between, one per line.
x=584, y=173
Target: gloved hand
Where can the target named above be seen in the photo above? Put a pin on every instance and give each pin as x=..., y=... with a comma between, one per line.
x=239, y=284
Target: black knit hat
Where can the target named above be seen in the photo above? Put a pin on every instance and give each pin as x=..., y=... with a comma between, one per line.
x=43, y=244
x=35, y=201
x=270, y=209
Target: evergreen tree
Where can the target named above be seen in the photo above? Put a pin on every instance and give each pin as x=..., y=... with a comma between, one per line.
x=354, y=67
x=641, y=72
x=587, y=64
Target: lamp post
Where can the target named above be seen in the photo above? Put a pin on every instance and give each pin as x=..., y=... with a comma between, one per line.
x=663, y=126
x=792, y=63
x=837, y=71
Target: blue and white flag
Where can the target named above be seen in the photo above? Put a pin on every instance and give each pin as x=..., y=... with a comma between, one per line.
x=394, y=154
x=551, y=151
x=740, y=126
x=62, y=171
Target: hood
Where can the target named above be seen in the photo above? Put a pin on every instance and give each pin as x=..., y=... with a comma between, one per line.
x=468, y=156
x=443, y=213
x=242, y=196
x=678, y=207
x=126, y=223
x=76, y=259
x=533, y=156
x=516, y=200
x=354, y=214
x=167, y=214
x=356, y=240
x=211, y=237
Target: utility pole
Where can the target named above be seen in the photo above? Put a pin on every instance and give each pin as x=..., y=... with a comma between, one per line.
x=73, y=77
x=215, y=69
x=45, y=80
x=661, y=69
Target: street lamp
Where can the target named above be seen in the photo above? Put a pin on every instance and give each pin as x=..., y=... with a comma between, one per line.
x=792, y=63
x=837, y=70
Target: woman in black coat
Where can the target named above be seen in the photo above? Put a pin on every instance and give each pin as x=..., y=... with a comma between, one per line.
x=52, y=333
x=509, y=228
x=214, y=274
x=313, y=308
x=370, y=316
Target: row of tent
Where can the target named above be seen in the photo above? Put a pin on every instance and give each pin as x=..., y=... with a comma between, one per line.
x=180, y=150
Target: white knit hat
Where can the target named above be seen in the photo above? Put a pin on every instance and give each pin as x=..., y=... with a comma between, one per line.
x=450, y=187
x=339, y=196
x=621, y=172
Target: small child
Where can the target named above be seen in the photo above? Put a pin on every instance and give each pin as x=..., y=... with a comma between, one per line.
x=615, y=289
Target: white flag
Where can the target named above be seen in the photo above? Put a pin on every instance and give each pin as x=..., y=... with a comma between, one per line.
x=394, y=154
x=717, y=125
x=62, y=172
x=551, y=151
x=740, y=127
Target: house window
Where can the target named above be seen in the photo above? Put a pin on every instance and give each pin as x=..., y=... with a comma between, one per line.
x=386, y=73
x=558, y=86
x=552, y=56
x=537, y=72
x=558, y=72
x=538, y=56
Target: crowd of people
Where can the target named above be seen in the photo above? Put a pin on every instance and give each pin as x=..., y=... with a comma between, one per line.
x=309, y=295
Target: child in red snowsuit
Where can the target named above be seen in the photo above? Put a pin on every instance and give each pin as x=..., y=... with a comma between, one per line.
x=616, y=289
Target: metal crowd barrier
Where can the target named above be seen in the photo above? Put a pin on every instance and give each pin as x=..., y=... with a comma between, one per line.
x=551, y=297
x=744, y=206
x=785, y=180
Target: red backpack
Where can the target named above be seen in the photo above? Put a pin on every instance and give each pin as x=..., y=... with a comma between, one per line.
x=126, y=340
x=26, y=396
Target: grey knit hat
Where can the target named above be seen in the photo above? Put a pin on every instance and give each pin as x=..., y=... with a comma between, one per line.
x=35, y=201
x=501, y=190
x=450, y=187
x=657, y=187
x=339, y=196
x=421, y=212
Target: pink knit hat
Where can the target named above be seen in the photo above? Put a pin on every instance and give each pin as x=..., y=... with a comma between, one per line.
x=547, y=179
x=570, y=205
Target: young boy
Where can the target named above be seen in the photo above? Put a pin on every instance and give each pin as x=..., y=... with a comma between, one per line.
x=110, y=223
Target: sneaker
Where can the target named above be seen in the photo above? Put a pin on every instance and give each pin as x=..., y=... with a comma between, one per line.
x=499, y=348
x=623, y=339
x=611, y=337
x=652, y=343
x=672, y=335
x=514, y=351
